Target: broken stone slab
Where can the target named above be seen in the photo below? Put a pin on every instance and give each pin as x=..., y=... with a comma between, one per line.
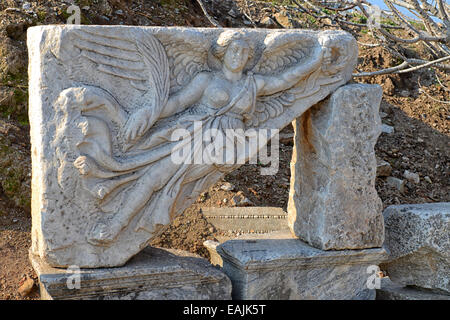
x=153, y=274
x=247, y=220
x=109, y=105
x=418, y=238
x=333, y=203
x=392, y=291
x=289, y=269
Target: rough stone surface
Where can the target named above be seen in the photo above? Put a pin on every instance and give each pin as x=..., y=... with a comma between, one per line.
x=333, y=203
x=289, y=269
x=115, y=115
x=391, y=291
x=418, y=238
x=153, y=274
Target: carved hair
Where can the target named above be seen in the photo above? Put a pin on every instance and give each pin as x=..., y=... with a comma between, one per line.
x=225, y=39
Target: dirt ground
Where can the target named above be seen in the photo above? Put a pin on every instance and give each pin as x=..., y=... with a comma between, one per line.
x=412, y=104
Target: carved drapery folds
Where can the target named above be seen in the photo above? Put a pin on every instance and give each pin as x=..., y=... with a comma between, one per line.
x=106, y=102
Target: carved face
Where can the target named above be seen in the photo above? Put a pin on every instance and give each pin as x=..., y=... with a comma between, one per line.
x=236, y=56
x=328, y=55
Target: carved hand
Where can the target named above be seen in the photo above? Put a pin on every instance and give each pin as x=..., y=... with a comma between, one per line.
x=138, y=124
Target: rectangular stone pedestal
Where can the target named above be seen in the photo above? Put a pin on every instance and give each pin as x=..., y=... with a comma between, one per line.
x=282, y=269
x=333, y=203
x=153, y=274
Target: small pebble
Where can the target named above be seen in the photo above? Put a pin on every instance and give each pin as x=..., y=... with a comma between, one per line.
x=387, y=129
x=227, y=186
x=411, y=176
x=399, y=184
x=384, y=169
x=26, y=287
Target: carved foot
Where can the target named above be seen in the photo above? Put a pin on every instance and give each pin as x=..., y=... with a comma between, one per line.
x=87, y=167
x=103, y=234
x=84, y=165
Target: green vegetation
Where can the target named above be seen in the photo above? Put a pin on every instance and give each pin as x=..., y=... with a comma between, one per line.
x=17, y=109
x=14, y=175
x=418, y=25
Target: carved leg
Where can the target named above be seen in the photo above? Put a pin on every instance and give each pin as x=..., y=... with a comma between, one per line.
x=107, y=230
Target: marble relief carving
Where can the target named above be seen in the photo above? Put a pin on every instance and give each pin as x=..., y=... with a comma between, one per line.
x=106, y=102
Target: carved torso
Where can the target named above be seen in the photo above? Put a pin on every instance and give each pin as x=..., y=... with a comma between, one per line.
x=221, y=91
x=109, y=182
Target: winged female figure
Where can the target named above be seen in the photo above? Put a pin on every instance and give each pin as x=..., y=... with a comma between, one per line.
x=125, y=147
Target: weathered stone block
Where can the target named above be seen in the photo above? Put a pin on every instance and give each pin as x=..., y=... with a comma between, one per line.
x=128, y=124
x=391, y=291
x=418, y=238
x=153, y=274
x=282, y=269
x=333, y=203
x=247, y=220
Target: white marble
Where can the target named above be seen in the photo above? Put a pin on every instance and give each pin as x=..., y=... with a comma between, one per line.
x=333, y=203
x=106, y=100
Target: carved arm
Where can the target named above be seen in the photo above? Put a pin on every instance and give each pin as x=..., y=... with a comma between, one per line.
x=187, y=96
x=267, y=84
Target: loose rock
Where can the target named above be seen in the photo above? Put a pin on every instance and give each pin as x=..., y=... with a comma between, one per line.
x=384, y=168
x=417, y=237
x=227, y=187
x=411, y=176
x=387, y=129
x=398, y=184
x=26, y=287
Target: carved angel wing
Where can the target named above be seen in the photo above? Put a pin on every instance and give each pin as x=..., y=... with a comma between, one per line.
x=186, y=58
x=285, y=50
x=129, y=63
x=269, y=107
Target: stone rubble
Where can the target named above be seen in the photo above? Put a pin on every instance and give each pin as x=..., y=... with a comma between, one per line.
x=418, y=239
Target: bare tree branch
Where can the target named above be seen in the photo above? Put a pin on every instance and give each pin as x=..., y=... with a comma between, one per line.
x=428, y=95
x=428, y=64
x=424, y=29
x=210, y=19
x=401, y=68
